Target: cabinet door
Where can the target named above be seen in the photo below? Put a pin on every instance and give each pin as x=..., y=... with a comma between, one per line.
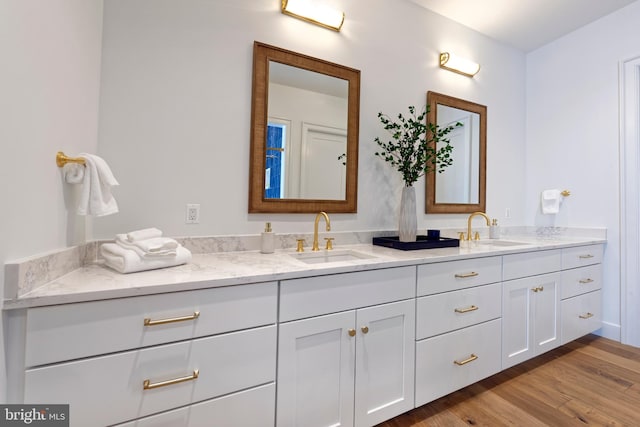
x=385, y=354
x=316, y=371
x=530, y=313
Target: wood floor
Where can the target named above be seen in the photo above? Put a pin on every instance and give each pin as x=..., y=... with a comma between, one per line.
x=590, y=382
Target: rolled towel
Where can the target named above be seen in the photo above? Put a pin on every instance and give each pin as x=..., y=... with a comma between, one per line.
x=127, y=261
x=145, y=233
x=149, y=248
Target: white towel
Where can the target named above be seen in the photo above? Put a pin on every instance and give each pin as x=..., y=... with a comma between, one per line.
x=127, y=261
x=73, y=173
x=96, y=198
x=551, y=201
x=145, y=233
x=149, y=248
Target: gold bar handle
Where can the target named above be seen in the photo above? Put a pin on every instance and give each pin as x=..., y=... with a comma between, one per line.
x=465, y=361
x=148, y=385
x=585, y=281
x=466, y=310
x=586, y=256
x=149, y=322
x=466, y=275
x=586, y=316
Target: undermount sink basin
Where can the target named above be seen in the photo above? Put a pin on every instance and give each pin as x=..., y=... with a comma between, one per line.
x=324, y=256
x=496, y=242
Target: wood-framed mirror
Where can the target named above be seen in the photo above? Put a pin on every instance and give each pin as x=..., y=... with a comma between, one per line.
x=461, y=188
x=304, y=134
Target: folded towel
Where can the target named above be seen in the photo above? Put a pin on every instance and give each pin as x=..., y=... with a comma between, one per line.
x=551, y=201
x=127, y=261
x=149, y=248
x=96, y=198
x=73, y=173
x=145, y=233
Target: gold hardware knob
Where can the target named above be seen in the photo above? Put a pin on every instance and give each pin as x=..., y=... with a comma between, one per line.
x=149, y=322
x=541, y=288
x=466, y=310
x=465, y=361
x=300, y=247
x=148, y=385
x=586, y=256
x=466, y=275
x=585, y=281
x=365, y=329
x=329, y=243
x=352, y=332
x=586, y=316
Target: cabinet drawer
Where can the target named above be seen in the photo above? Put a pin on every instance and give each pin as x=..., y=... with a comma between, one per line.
x=531, y=263
x=229, y=410
x=71, y=331
x=453, y=275
x=582, y=255
x=109, y=389
x=448, y=311
x=452, y=361
x=581, y=315
x=581, y=280
x=313, y=296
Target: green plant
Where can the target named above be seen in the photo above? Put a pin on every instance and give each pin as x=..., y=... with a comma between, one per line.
x=417, y=147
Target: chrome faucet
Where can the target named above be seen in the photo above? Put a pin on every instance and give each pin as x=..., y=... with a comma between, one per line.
x=315, y=229
x=469, y=224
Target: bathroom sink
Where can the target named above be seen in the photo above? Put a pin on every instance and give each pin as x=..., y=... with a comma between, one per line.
x=498, y=243
x=325, y=256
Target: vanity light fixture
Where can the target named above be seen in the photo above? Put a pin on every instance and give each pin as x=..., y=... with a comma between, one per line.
x=310, y=11
x=459, y=65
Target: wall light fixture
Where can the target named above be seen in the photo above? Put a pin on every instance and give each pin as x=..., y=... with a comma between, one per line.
x=459, y=65
x=310, y=11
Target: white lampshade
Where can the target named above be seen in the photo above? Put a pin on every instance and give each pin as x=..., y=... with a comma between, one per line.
x=311, y=11
x=459, y=65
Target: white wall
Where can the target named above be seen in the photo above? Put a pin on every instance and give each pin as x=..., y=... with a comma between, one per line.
x=49, y=81
x=176, y=98
x=573, y=133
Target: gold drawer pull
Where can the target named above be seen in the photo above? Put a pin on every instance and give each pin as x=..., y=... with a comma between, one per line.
x=465, y=361
x=587, y=256
x=466, y=310
x=149, y=322
x=148, y=385
x=585, y=281
x=466, y=275
x=538, y=289
x=586, y=316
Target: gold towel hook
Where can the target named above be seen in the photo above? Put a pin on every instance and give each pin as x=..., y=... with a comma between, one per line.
x=62, y=159
x=565, y=193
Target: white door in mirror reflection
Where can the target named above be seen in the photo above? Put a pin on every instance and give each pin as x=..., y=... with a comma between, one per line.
x=459, y=183
x=322, y=169
x=277, y=156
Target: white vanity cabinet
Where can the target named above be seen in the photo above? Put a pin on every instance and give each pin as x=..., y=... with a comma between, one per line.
x=346, y=348
x=114, y=361
x=458, y=325
x=530, y=305
x=581, y=291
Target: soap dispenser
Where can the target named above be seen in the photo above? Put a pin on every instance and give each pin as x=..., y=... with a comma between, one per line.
x=268, y=243
x=494, y=230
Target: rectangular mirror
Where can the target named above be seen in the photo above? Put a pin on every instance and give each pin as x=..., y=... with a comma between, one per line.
x=304, y=134
x=461, y=187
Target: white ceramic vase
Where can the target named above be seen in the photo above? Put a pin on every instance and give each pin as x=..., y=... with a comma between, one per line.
x=408, y=224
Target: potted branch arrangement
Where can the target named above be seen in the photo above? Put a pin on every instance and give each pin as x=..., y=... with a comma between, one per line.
x=417, y=148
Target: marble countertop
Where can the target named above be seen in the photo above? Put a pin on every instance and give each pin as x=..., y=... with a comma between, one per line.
x=96, y=282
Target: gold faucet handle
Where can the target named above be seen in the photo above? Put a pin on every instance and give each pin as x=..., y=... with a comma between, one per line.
x=300, y=247
x=329, y=243
x=476, y=236
x=461, y=235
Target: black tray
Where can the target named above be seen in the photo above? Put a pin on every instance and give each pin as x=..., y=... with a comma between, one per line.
x=422, y=242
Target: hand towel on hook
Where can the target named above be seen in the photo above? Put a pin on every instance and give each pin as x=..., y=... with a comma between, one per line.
x=96, y=198
x=551, y=201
